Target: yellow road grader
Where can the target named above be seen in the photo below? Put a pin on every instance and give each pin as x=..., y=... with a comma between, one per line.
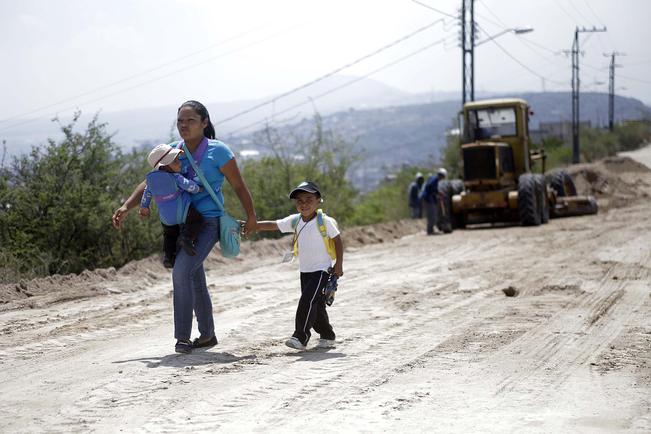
x=504, y=179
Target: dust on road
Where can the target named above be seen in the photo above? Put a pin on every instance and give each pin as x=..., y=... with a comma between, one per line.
x=427, y=338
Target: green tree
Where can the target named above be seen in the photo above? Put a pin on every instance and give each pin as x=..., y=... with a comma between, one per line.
x=451, y=158
x=318, y=155
x=389, y=202
x=58, y=201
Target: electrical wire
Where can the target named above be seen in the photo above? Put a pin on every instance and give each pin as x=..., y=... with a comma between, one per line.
x=348, y=83
x=579, y=12
x=519, y=62
x=523, y=40
x=329, y=74
x=499, y=20
x=633, y=78
x=456, y=17
x=600, y=21
x=572, y=18
x=150, y=81
x=133, y=76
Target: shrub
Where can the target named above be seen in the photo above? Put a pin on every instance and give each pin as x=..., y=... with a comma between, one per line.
x=57, y=202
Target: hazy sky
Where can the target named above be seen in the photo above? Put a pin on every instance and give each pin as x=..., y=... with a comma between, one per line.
x=119, y=54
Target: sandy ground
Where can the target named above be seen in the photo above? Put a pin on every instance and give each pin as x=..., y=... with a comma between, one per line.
x=427, y=339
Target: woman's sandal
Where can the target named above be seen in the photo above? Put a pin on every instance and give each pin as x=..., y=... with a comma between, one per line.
x=184, y=347
x=207, y=344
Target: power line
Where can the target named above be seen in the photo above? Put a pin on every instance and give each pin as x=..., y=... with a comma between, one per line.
x=579, y=12
x=640, y=62
x=348, y=83
x=456, y=17
x=131, y=77
x=523, y=40
x=570, y=16
x=633, y=78
x=498, y=23
x=329, y=74
x=519, y=62
x=599, y=20
x=153, y=80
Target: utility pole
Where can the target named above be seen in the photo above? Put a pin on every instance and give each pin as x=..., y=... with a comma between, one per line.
x=468, y=50
x=575, y=90
x=611, y=88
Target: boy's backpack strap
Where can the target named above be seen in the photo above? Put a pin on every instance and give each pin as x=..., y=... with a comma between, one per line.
x=320, y=223
x=294, y=226
x=295, y=221
x=329, y=242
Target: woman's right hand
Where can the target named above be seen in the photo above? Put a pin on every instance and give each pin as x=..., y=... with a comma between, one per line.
x=121, y=213
x=118, y=216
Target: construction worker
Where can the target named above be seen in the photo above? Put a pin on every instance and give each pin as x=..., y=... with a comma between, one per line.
x=415, y=204
x=430, y=198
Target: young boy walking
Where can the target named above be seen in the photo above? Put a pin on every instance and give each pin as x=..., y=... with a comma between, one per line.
x=315, y=252
x=171, y=192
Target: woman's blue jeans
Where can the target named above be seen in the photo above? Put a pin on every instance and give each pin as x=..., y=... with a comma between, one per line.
x=190, y=290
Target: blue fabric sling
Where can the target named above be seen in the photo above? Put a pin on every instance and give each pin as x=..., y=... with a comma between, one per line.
x=172, y=205
x=229, y=228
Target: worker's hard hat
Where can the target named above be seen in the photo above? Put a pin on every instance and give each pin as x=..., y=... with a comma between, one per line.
x=442, y=172
x=419, y=175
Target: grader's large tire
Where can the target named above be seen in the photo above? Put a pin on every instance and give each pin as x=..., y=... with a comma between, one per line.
x=528, y=200
x=561, y=182
x=543, y=199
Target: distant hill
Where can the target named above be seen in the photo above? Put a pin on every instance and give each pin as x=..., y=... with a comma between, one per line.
x=144, y=126
x=414, y=134
x=390, y=126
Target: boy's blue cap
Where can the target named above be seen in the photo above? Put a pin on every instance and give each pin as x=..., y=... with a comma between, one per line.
x=307, y=186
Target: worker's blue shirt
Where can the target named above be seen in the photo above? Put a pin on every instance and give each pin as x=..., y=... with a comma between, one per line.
x=414, y=195
x=216, y=155
x=431, y=190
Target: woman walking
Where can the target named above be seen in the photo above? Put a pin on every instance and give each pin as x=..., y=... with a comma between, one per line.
x=217, y=162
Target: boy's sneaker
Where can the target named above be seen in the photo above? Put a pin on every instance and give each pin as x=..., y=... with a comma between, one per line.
x=295, y=343
x=325, y=343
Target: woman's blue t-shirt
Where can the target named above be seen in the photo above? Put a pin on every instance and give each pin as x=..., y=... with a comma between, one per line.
x=216, y=156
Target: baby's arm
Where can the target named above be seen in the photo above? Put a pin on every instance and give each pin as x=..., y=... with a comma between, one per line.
x=267, y=225
x=187, y=184
x=145, y=202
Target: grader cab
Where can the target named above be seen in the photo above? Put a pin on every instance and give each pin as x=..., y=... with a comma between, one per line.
x=503, y=177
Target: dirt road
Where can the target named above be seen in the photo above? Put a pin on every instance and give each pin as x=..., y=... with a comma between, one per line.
x=427, y=339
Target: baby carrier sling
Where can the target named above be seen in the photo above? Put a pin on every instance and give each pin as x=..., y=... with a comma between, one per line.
x=329, y=242
x=172, y=204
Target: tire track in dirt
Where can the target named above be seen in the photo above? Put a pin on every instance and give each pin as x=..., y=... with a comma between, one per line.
x=296, y=387
x=424, y=329
x=411, y=397
x=569, y=340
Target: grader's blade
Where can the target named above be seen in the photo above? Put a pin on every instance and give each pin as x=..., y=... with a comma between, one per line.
x=574, y=205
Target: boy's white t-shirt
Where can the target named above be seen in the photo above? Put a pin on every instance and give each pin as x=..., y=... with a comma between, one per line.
x=312, y=253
